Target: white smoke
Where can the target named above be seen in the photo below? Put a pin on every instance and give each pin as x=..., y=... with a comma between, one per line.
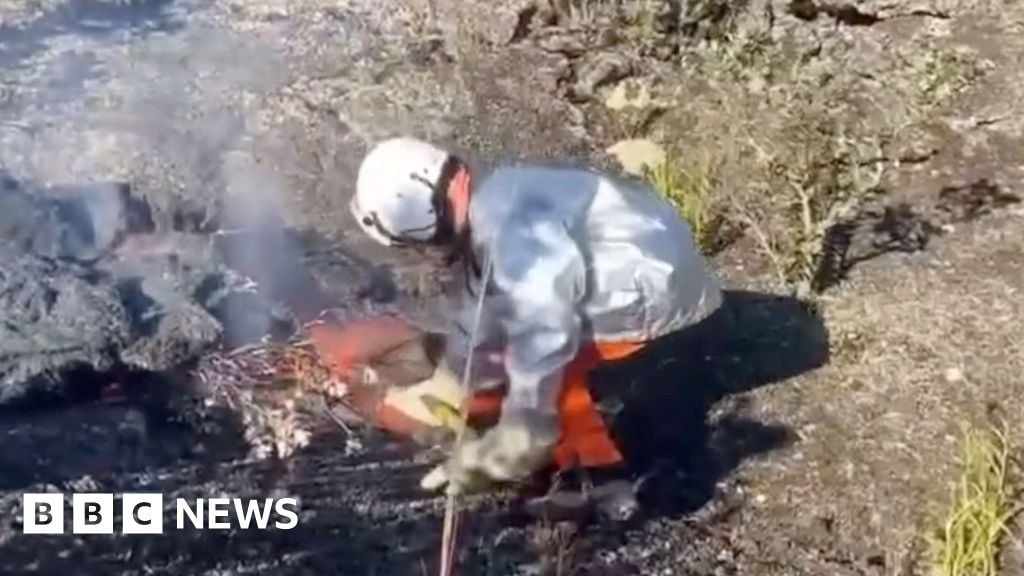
x=168, y=96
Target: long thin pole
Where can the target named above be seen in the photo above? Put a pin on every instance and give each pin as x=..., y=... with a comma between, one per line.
x=451, y=513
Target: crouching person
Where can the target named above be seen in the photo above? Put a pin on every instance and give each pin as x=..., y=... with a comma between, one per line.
x=582, y=268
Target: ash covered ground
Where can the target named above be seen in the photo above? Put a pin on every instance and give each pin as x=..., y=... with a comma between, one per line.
x=174, y=183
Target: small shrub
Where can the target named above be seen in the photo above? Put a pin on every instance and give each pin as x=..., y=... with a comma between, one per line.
x=801, y=192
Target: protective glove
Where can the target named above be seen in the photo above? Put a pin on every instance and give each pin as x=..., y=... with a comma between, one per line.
x=430, y=400
x=518, y=445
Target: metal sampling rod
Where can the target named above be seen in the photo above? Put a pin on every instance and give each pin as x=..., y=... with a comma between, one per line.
x=450, y=528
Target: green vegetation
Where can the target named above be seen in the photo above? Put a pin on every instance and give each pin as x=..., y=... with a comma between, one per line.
x=983, y=503
x=690, y=188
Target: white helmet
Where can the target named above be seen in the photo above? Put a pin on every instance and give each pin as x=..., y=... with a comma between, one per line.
x=399, y=191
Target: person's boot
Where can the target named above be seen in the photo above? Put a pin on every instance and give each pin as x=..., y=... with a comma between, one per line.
x=580, y=494
x=612, y=492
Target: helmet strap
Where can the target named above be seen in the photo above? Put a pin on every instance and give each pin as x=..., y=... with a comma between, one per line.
x=450, y=204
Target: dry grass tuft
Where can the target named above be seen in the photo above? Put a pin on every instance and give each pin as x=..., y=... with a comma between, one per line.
x=983, y=503
x=556, y=546
x=272, y=388
x=690, y=187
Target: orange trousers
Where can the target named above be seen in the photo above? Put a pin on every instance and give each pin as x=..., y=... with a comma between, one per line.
x=585, y=440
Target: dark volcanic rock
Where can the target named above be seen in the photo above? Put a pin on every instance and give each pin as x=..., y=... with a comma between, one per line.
x=80, y=223
x=87, y=290
x=162, y=279
x=62, y=323
x=55, y=319
x=175, y=333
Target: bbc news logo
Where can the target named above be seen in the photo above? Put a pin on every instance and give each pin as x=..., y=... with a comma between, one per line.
x=93, y=513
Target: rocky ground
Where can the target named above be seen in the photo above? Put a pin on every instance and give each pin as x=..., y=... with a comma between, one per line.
x=176, y=173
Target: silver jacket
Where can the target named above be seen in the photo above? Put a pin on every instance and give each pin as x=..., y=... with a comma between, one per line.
x=576, y=256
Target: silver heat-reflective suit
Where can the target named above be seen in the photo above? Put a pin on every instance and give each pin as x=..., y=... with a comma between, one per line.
x=576, y=256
